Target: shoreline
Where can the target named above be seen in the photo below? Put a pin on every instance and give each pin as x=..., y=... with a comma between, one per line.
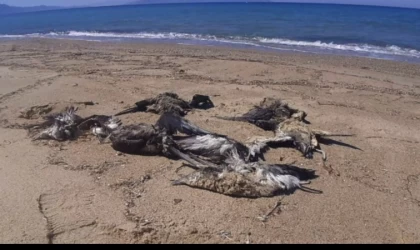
x=331, y=59
x=84, y=192
x=244, y=45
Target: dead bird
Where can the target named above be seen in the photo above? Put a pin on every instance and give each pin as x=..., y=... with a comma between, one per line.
x=100, y=125
x=169, y=102
x=147, y=139
x=299, y=135
x=209, y=145
x=142, y=139
x=251, y=180
x=269, y=113
x=58, y=126
x=217, y=148
x=67, y=125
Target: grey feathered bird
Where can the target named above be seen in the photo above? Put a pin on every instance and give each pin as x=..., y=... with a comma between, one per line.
x=58, y=126
x=152, y=139
x=217, y=148
x=67, y=125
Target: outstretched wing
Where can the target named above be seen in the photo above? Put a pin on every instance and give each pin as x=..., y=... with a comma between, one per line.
x=173, y=123
x=261, y=117
x=140, y=106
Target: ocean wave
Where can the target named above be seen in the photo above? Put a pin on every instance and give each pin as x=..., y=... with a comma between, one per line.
x=22, y=36
x=169, y=35
x=367, y=48
x=273, y=43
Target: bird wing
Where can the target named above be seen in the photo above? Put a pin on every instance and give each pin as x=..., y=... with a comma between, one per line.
x=173, y=123
x=253, y=115
x=140, y=106
x=134, y=139
x=261, y=117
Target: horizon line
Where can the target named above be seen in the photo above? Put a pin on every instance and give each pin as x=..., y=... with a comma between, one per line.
x=181, y=3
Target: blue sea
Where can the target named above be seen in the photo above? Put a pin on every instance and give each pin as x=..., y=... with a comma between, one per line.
x=377, y=32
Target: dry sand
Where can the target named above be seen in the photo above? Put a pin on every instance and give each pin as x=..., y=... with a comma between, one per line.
x=83, y=192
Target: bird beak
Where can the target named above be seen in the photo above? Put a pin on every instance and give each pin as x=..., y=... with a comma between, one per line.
x=127, y=111
x=178, y=182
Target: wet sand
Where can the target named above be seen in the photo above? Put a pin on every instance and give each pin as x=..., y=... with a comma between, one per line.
x=84, y=192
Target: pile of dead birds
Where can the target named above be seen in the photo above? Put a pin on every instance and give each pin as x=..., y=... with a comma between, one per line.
x=221, y=164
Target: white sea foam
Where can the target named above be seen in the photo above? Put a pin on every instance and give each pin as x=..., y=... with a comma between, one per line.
x=367, y=48
x=272, y=43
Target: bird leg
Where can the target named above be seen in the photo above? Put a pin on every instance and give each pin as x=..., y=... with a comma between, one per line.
x=324, y=159
x=278, y=204
x=329, y=169
x=264, y=218
x=310, y=190
x=324, y=155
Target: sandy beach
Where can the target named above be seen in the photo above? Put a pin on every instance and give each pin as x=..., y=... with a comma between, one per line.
x=84, y=192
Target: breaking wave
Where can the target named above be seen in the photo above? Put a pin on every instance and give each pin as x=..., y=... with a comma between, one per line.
x=388, y=50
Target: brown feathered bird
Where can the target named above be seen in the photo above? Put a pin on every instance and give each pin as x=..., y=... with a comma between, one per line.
x=252, y=180
x=299, y=135
x=147, y=139
x=169, y=103
x=269, y=113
